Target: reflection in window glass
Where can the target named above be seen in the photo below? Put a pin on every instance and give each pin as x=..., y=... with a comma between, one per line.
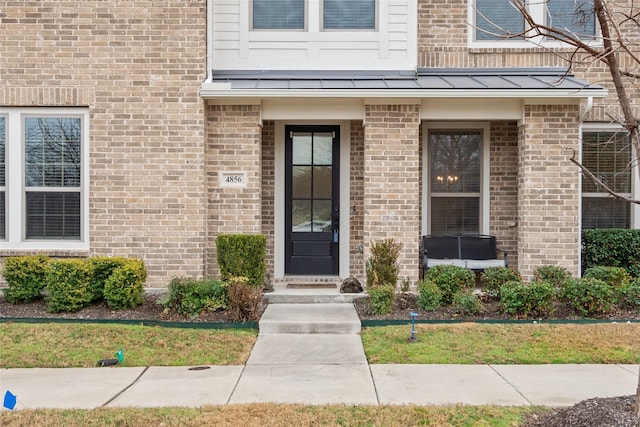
x=302, y=149
x=52, y=161
x=497, y=18
x=322, y=148
x=575, y=16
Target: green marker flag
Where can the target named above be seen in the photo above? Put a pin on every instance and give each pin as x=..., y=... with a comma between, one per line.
x=120, y=356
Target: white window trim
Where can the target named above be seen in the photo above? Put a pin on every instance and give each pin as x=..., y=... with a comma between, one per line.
x=538, y=13
x=634, y=218
x=485, y=150
x=15, y=185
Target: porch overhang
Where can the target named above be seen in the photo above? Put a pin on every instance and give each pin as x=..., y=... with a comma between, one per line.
x=530, y=83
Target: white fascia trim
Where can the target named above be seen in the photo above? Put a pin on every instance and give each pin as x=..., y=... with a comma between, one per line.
x=213, y=90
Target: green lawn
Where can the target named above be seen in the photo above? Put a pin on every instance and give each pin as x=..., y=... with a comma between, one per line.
x=473, y=343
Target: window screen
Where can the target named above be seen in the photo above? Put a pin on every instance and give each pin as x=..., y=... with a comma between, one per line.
x=454, y=181
x=352, y=14
x=496, y=18
x=607, y=155
x=52, y=177
x=278, y=14
x=577, y=16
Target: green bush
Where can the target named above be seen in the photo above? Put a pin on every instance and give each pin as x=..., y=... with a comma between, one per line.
x=553, y=274
x=451, y=279
x=381, y=299
x=466, y=302
x=493, y=278
x=613, y=276
x=382, y=266
x=532, y=299
x=103, y=267
x=589, y=296
x=125, y=286
x=25, y=276
x=628, y=295
x=242, y=255
x=611, y=247
x=67, y=283
x=191, y=297
x=429, y=295
x=244, y=299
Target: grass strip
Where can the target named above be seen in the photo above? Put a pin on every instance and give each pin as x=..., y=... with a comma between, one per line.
x=55, y=345
x=273, y=415
x=473, y=343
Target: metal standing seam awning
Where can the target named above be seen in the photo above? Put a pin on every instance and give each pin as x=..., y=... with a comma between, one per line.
x=423, y=83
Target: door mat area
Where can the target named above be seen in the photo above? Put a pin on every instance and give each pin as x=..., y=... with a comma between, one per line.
x=312, y=286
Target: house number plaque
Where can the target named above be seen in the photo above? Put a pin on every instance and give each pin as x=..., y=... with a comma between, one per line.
x=233, y=179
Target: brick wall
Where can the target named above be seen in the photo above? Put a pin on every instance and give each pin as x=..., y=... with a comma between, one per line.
x=137, y=66
x=233, y=145
x=548, y=189
x=268, y=190
x=391, y=181
x=356, y=246
x=504, y=187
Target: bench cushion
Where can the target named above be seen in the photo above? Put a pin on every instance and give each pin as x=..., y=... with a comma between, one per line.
x=433, y=262
x=483, y=264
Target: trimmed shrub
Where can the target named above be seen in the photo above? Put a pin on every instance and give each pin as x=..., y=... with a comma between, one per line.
x=191, y=297
x=25, y=276
x=451, y=279
x=67, y=283
x=103, y=267
x=124, y=287
x=382, y=266
x=589, y=296
x=613, y=276
x=242, y=255
x=553, y=274
x=494, y=277
x=628, y=295
x=244, y=299
x=532, y=299
x=466, y=302
x=429, y=295
x=612, y=247
x=381, y=299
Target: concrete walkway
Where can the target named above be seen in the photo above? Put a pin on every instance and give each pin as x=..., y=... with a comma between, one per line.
x=327, y=366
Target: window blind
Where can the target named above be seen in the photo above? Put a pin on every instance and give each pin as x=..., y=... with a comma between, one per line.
x=278, y=14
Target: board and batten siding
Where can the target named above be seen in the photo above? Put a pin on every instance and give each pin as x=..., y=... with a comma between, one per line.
x=392, y=46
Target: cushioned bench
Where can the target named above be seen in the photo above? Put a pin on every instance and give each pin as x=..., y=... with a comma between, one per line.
x=476, y=252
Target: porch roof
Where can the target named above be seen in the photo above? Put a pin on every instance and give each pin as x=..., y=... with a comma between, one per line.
x=422, y=83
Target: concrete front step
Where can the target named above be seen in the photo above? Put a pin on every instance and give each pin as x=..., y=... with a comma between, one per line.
x=330, y=318
x=310, y=296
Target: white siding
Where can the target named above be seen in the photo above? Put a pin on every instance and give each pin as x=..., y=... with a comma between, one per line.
x=392, y=46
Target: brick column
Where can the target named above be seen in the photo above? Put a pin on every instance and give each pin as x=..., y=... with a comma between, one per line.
x=548, y=189
x=233, y=145
x=392, y=181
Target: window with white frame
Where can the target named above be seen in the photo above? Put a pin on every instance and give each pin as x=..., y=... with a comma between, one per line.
x=607, y=155
x=46, y=184
x=455, y=181
x=291, y=14
x=492, y=20
x=3, y=179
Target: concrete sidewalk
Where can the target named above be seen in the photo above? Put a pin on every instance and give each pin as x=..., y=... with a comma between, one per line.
x=317, y=384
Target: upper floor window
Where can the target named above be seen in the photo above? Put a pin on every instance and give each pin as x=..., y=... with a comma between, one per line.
x=278, y=14
x=349, y=15
x=291, y=14
x=608, y=156
x=499, y=20
x=46, y=185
